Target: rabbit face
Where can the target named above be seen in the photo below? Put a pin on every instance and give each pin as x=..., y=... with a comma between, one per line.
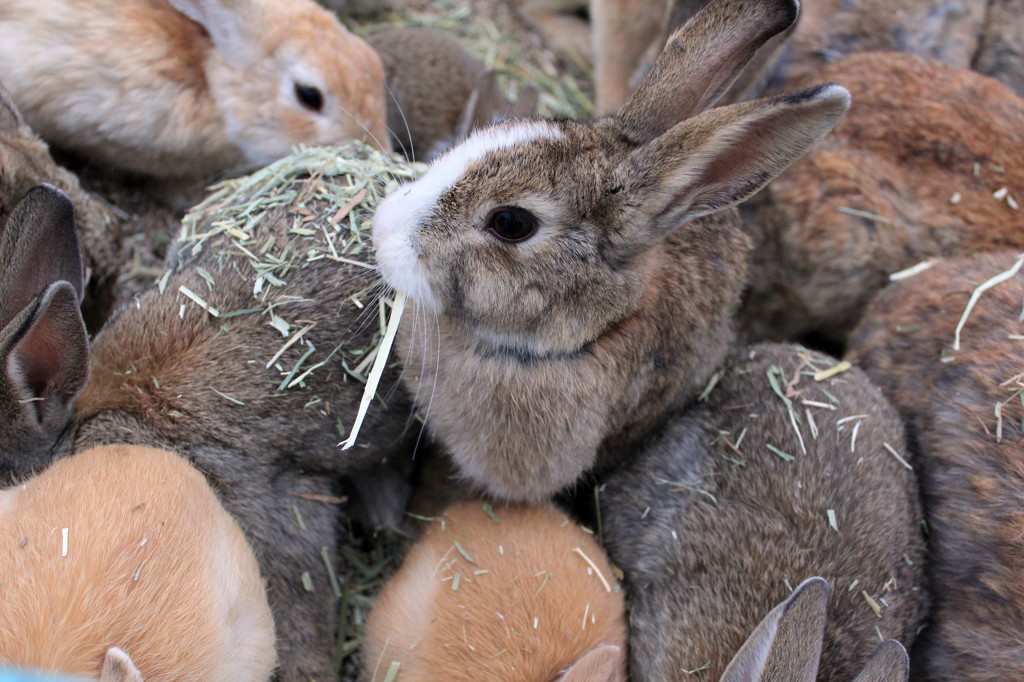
x=531, y=260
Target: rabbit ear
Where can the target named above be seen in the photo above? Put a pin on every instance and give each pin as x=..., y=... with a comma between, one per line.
x=486, y=103
x=44, y=354
x=724, y=155
x=118, y=667
x=786, y=645
x=527, y=102
x=10, y=117
x=889, y=663
x=700, y=61
x=224, y=20
x=39, y=246
x=600, y=664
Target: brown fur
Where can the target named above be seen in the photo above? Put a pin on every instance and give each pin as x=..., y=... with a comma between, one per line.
x=526, y=606
x=177, y=89
x=160, y=376
x=708, y=533
x=972, y=480
x=154, y=565
x=438, y=92
x=909, y=143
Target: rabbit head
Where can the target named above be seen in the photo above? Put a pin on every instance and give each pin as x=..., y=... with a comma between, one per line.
x=284, y=73
x=43, y=344
x=540, y=244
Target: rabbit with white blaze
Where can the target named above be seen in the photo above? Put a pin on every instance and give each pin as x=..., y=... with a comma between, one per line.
x=185, y=88
x=583, y=274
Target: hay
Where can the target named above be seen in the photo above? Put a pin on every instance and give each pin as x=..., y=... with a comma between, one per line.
x=517, y=64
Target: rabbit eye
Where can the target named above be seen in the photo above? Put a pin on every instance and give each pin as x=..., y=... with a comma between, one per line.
x=309, y=96
x=512, y=224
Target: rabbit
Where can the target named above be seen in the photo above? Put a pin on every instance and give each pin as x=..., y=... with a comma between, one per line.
x=438, y=92
x=129, y=546
x=540, y=356
x=496, y=595
x=963, y=412
x=786, y=644
x=25, y=161
x=189, y=88
x=908, y=175
x=745, y=491
x=166, y=373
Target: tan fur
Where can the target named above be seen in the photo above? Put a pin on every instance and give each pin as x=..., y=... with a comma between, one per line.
x=560, y=24
x=972, y=474
x=623, y=32
x=154, y=565
x=141, y=87
x=909, y=144
x=526, y=606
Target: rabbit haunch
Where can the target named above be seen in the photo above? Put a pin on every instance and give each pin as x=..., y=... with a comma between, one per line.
x=618, y=306
x=189, y=87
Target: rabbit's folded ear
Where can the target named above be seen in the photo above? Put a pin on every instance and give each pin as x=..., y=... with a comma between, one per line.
x=118, y=667
x=700, y=62
x=889, y=663
x=44, y=355
x=786, y=645
x=39, y=246
x=725, y=155
x=601, y=664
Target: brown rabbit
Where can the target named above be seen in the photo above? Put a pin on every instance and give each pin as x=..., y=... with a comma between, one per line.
x=964, y=414
x=544, y=260
x=183, y=88
x=438, y=93
x=227, y=392
x=786, y=645
x=496, y=595
x=129, y=545
x=909, y=174
x=773, y=477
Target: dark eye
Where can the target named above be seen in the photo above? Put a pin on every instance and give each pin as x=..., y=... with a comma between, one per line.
x=512, y=224
x=309, y=96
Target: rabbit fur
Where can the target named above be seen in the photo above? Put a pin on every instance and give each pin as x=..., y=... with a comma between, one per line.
x=528, y=605
x=159, y=377
x=709, y=523
x=150, y=562
x=964, y=419
x=542, y=360
x=185, y=88
x=438, y=92
x=909, y=174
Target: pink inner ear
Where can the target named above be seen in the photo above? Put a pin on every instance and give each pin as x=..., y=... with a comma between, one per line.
x=39, y=358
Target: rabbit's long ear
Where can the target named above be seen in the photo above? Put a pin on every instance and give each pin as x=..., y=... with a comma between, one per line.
x=700, y=61
x=39, y=246
x=889, y=663
x=723, y=156
x=224, y=20
x=786, y=645
x=10, y=117
x=118, y=667
x=601, y=664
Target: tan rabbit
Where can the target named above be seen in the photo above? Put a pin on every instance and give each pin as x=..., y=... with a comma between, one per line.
x=258, y=412
x=964, y=413
x=189, y=87
x=438, y=93
x=500, y=595
x=924, y=165
x=127, y=546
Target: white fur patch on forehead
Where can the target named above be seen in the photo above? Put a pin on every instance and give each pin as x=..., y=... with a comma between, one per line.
x=398, y=216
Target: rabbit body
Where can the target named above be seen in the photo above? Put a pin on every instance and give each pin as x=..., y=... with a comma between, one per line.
x=709, y=524
x=909, y=174
x=495, y=596
x=188, y=87
x=151, y=563
x=969, y=454
x=166, y=373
